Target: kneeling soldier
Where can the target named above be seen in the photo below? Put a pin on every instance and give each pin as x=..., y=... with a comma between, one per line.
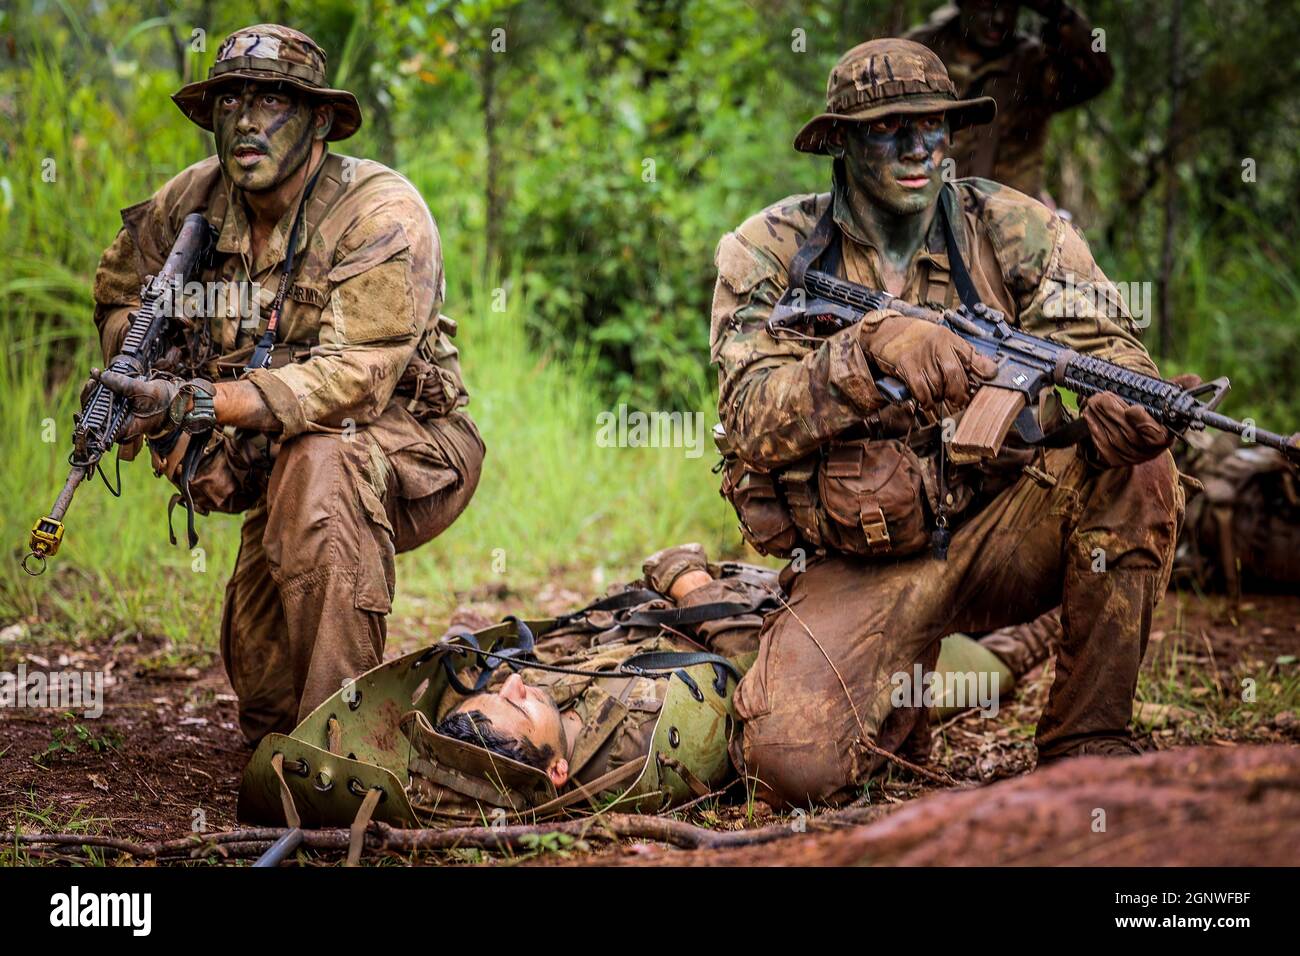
x=335, y=422
x=821, y=461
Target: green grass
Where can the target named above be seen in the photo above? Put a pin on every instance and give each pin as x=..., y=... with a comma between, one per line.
x=550, y=499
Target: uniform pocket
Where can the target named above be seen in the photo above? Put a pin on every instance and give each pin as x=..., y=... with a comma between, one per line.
x=765, y=520
x=873, y=493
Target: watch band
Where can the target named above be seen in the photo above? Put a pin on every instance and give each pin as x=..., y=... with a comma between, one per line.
x=194, y=407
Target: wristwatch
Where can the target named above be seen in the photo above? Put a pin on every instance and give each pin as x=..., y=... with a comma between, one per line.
x=194, y=407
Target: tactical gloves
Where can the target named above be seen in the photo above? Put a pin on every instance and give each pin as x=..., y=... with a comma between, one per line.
x=1122, y=434
x=161, y=404
x=937, y=366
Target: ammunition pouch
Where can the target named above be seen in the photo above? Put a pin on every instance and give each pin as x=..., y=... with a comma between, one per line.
x=873, y=497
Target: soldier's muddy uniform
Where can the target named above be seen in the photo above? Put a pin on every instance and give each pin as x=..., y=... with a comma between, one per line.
x=1032, y=79
x=1031, y=530
x=375, y=455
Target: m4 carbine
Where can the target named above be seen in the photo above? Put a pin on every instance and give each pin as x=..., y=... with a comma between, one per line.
x=1027, y=365
x=104, y=413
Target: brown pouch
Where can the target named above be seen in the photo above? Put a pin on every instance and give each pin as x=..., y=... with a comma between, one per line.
x=765, y=519
x=874, y=496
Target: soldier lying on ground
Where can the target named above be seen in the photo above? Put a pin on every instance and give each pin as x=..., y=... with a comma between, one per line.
x=580, y=727
x=907, y=546
x=349, y=445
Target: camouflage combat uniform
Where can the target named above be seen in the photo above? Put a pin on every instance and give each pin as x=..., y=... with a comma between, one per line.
x=1029, y=530
x=1035, y=78
x=375, y=455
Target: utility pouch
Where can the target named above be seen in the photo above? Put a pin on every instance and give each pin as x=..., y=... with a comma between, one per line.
x=875, y=498
x=765, y=520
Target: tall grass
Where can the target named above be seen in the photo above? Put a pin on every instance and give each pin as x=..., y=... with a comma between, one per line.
x=550, y=500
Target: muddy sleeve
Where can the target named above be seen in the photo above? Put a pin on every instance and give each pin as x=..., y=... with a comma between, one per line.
x=369, y=331
x=1074, y=304
x=779, y=398
x=116, y=292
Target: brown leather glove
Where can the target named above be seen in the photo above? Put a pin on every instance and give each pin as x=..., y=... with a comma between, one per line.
x=1124, y=434
x=935, y=364
x=150, y=402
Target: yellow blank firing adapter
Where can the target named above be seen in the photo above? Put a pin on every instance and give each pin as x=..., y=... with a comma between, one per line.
x=47, y=535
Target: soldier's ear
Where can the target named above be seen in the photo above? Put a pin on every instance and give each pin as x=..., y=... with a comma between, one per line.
x=322, y=120
x=559, y=772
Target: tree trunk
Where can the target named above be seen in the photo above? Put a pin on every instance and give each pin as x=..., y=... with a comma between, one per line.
x=1165, y=308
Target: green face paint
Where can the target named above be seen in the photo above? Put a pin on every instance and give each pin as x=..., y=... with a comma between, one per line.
x=896, y=161
x=263, y=134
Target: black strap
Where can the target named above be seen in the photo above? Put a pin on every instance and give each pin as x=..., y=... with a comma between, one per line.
x=956, y=265
x=513, y=657
x=825, y=238
x=698, y=614
x=261, y=356
x=613, y=602
x=648, y=664
x=189, y=465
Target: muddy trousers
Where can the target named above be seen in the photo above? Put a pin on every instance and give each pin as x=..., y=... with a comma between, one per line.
x=306, y=606
x=1100, y=543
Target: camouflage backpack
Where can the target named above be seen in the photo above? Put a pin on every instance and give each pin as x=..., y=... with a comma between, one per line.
x=1244, y=531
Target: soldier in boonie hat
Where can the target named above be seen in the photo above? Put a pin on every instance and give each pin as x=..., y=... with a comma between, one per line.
x=886, y=78
x=269, y=52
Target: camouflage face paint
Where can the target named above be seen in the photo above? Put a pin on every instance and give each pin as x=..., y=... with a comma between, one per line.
x=896, y=161
x=263, y=134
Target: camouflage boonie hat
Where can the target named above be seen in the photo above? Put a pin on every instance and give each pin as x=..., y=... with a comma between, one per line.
x=885, y=77
x=269, y=52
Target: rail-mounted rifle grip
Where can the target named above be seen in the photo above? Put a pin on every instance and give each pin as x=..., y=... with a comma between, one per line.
x=985, y=424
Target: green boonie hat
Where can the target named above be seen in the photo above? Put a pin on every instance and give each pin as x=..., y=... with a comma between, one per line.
x=886, y=77
x=269, y=52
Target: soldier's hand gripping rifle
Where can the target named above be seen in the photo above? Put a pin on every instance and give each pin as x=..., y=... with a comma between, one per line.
x=104, y=413
x=1027, y=365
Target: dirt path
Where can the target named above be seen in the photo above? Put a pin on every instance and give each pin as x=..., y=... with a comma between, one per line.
x=166, y=756
x=1201, y=806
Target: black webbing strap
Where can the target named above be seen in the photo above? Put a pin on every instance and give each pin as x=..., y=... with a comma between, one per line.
x=825, y=238
x=648, y=664
x=1070, y=433
x=189, y=465
x=513, y=657
x=699, y=614
x=966, y=291
x=261, y=356
x=613, y=602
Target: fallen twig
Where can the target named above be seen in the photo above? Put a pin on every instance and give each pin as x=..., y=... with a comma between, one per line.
x=383, y=838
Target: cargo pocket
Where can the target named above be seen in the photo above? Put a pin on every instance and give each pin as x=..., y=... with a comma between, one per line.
x=375, y=572
x=874, y=495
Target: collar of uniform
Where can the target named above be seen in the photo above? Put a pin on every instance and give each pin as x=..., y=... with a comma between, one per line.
x=935, y=249
x=236, y=237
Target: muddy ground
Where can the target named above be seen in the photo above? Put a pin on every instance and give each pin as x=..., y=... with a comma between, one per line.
x=166, y=756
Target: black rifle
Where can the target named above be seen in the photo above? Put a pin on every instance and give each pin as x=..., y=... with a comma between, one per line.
x=104, y=413
x=1027, y=365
